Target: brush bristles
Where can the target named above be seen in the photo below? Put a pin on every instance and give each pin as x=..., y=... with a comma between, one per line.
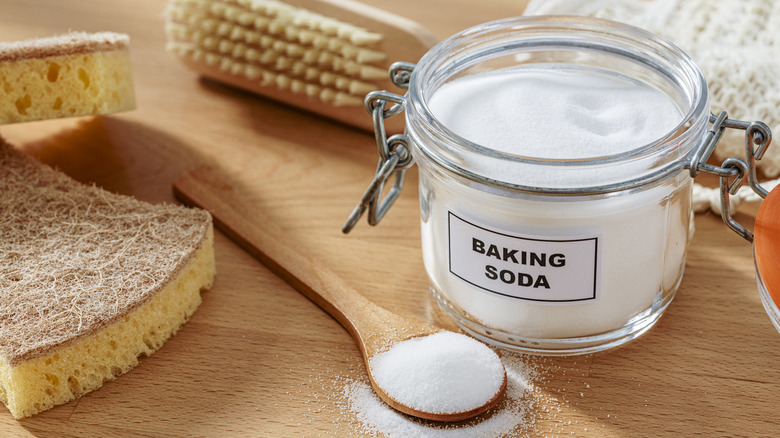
x=276, y=44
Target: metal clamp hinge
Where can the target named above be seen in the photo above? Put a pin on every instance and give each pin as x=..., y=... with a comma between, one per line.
x=394, y=153
x=758, y=136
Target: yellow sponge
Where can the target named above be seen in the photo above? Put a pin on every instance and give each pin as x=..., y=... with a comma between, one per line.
x=71, y=75
x=89, y=281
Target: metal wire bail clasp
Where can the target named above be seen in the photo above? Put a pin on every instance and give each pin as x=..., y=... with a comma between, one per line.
x=758, y=136
x=394, y=154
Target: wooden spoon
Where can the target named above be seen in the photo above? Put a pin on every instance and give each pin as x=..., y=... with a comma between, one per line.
x=373, y=328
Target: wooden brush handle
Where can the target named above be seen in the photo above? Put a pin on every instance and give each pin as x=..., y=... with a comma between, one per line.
x=250, y=228
x=298, y=80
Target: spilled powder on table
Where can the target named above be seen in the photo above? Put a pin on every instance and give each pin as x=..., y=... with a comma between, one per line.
x=532, y=407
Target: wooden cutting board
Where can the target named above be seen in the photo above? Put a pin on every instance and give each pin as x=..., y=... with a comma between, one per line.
x=258, y=359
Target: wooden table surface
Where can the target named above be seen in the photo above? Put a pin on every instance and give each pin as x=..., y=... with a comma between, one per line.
x=258, y=359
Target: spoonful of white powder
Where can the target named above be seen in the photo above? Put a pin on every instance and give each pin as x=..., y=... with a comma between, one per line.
x=445, y=374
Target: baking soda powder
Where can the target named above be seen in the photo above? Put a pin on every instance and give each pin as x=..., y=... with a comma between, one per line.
x=514, y=414
x=442, y=373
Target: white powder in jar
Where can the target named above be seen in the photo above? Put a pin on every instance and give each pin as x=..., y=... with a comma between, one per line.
x=442, y=373
x=554, y=113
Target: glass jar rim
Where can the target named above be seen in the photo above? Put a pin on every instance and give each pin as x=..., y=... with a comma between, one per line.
x=476, y=44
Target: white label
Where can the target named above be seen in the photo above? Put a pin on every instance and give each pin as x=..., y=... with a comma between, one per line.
x=541, y=269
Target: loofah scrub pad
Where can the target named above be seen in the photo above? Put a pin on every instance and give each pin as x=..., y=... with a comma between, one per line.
x=89, y=281
x=70, y=75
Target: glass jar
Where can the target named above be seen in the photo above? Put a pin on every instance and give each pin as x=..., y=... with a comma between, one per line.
x=542, y=253
x=582, y=259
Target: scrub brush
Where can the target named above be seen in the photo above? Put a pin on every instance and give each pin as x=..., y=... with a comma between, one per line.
x=323, y=56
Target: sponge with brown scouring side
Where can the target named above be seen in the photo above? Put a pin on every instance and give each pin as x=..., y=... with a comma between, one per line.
x=89, y=281
x=63, y=76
